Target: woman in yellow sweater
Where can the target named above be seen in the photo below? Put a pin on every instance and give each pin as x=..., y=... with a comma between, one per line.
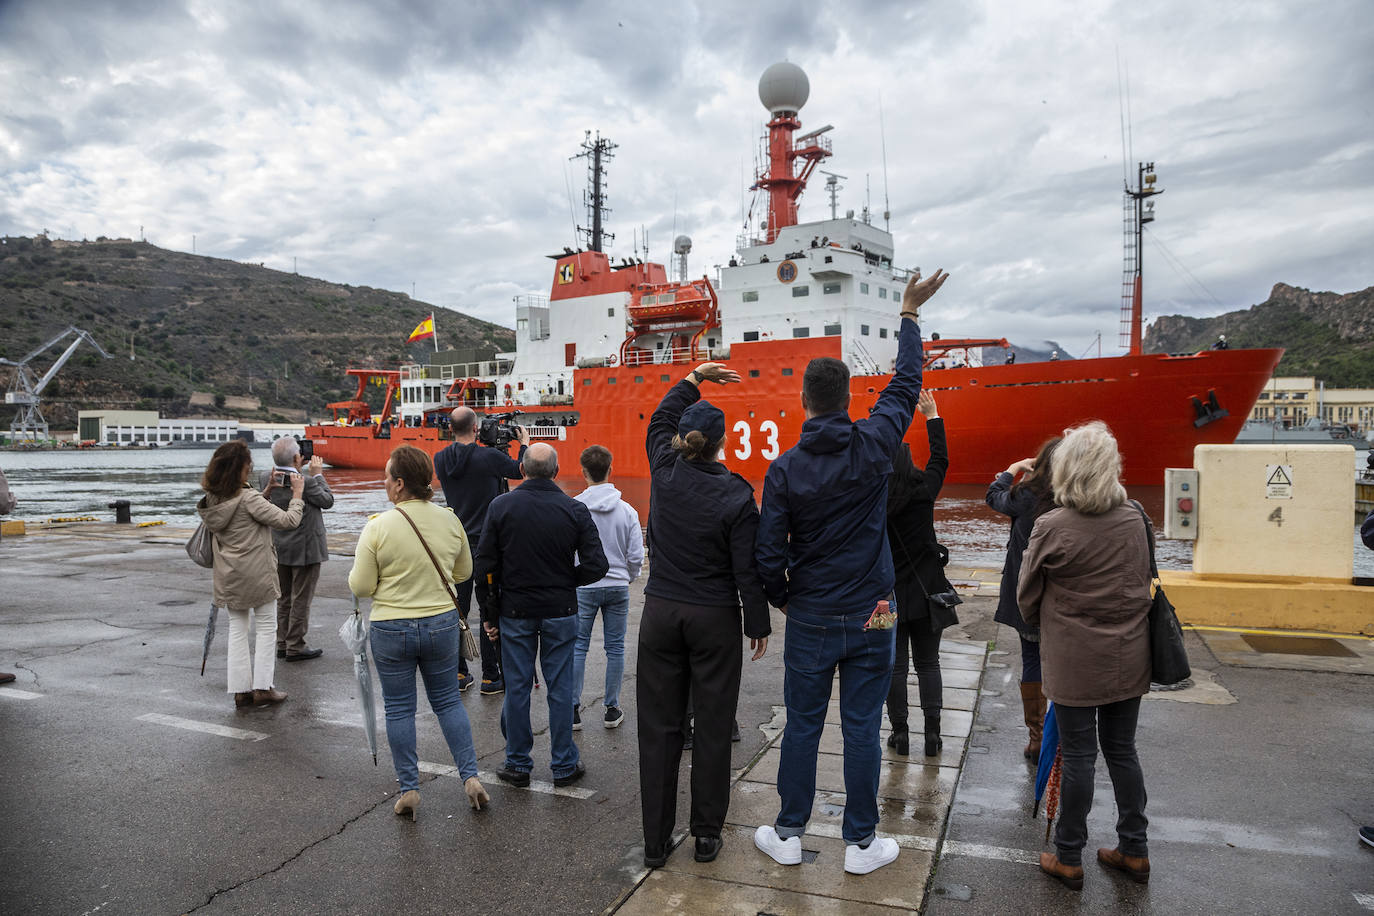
x=414, y=624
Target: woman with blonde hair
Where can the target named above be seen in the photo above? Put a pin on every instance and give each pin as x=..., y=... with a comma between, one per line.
x=1085, y=580
x=241, y=520
x=406, y=561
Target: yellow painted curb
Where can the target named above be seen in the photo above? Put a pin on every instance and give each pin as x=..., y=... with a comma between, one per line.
x=1295, y=604
x=10, y=528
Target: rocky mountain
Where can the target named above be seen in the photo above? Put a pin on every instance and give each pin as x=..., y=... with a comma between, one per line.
x=202, y=325
x=1324, y=334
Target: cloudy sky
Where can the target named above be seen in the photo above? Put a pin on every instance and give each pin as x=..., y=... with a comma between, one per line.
x=426, y=142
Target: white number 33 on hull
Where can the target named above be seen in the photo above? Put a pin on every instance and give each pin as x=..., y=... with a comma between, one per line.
x=768, y=431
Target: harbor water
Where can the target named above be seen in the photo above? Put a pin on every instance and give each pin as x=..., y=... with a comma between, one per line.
x=163, y=484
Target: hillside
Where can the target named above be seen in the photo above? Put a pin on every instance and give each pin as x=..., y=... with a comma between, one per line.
x=200, y=324
x=1327, y=335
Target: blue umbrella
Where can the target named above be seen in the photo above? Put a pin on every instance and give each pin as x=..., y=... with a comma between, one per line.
x=1049, y=752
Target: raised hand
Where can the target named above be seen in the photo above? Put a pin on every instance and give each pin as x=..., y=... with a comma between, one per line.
x=926, y=405
x=918, y=291
x=716, y=372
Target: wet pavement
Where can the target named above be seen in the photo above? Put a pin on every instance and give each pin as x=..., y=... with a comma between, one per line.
x=132, y=785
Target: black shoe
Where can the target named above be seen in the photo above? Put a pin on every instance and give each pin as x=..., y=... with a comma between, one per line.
x=568, y=780
x=656, y=856
x=900, y=740
x=734, y=734
x=613, y=717
x=933, y=742
x=1367, y=836
x=303, y=656
x=281, y=653
x=518, y=778
x=708, y=847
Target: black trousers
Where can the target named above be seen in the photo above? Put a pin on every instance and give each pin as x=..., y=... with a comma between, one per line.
x=1081, y=730
x=924, y=646
x=491, y=655
x=686, y=647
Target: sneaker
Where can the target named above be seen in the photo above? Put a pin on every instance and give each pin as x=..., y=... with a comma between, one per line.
x=613, y=717
x=859, y=861
x=577, y=718
x=1367, y=836
x=491, y=688
x=464, y=681
x=784, y=852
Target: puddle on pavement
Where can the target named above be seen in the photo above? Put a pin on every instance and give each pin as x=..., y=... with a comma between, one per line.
x=1297, y=645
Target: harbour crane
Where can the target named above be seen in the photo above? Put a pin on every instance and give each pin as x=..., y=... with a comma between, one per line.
x=28, y=421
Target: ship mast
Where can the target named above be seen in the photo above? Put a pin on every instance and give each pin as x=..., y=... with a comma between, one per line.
x=597, y=153
x=1139, y=211
x=783, y=90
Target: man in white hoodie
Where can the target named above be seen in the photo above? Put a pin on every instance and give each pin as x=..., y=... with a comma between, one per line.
x=623, y=542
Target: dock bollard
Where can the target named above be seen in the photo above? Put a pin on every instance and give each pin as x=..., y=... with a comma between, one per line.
x=122, y=514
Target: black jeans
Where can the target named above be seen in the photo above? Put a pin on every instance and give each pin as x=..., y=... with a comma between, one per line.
x=491, y=655
x=1081, y=729
x=686, y=647
x=925, y=652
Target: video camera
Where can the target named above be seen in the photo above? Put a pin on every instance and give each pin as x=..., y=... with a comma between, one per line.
x=497, y=430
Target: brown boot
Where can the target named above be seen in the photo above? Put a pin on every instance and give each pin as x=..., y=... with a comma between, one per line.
x=267, y=697
x=1033, y=709
x=1138, y=867
x=1071, y=876
x=243, y=698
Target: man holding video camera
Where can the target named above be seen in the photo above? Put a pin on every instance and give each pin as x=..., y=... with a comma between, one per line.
x=472, y=475
x=300, y=550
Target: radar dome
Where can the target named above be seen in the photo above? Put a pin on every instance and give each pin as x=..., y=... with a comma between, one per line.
x=682, y=244
x=784, y=87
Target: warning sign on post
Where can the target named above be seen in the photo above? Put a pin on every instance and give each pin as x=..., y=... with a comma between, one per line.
x=1279, y=481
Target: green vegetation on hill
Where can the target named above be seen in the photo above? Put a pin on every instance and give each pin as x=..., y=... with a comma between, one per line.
x=1326, y=335
x=200, y=324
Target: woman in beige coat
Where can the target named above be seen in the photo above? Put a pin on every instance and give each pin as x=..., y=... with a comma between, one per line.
x=1085, y=580
x=241, y=520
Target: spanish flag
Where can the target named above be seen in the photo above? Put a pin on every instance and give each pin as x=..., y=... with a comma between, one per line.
x=423, y=331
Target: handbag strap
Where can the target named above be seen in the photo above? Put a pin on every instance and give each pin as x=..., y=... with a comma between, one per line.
x=1149, y=536
x=915, y=571
x=452, y=593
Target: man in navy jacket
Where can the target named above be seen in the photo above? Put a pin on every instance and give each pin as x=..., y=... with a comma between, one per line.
x=472, y=475
x=538, y=545
x=823, y=557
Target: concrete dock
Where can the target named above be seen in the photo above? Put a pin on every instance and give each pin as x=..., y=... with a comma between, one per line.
x=132, y=785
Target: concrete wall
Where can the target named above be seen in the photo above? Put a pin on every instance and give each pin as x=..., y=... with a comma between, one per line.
x=1250, y=524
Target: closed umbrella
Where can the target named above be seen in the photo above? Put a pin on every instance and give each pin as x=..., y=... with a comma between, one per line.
x=209, y=637
x=1047, y=774
x=354, y=634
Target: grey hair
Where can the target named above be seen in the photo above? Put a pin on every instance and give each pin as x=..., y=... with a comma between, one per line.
x=285, y=450
x=540, y=461
x=1086, y=476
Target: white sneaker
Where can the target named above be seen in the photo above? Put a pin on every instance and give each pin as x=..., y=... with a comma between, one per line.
x=859, y=861
x=784, y=852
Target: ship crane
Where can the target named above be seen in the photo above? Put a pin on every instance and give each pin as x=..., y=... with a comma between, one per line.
x=24, y=392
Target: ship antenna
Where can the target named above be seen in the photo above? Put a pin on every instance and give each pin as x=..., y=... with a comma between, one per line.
x=572, y=211
x=882, y=132
x=597, y=153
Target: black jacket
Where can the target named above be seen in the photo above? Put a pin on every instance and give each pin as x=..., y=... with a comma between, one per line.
x=702, y=524
x=917, y=557
x=538, y=546
x=1021, y=504
x=822, y=545
x=472, y=475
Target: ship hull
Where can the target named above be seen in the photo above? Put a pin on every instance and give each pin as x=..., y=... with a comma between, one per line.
x=994, y=415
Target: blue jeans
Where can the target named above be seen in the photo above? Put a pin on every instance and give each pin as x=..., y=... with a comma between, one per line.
x=431, y=644
x=815, y=646
x=614, y=604
x=551, y=638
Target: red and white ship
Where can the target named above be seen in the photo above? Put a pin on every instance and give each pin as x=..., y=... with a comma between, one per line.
x=594, y=358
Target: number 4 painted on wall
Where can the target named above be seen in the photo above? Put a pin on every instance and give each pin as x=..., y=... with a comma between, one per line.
x=1277, y=516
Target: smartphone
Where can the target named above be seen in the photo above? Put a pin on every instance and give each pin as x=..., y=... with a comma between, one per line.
x=279, y=479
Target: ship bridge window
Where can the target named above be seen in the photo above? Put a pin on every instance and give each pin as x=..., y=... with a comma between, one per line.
x=801, y=332
x=750, y=295
x=882, y=332
x=863, y=329
x=610, y=312
x=882, y=292
x=896, y=294
x=863, y=288
x=799, y=291
x=830, y=289
x=751, y=335
x=831, y=330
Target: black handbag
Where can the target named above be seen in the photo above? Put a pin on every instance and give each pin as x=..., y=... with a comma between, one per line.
x=1168, y=657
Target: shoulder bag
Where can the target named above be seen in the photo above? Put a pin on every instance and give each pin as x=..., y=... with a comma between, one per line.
x=940, y=605
x=469, y=642
x=200, y=548
x=1168, y=657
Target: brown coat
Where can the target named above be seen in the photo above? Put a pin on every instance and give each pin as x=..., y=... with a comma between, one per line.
x=245, y=558
x=1085, y=579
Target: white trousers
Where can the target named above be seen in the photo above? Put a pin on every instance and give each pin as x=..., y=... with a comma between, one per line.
x=243, y=674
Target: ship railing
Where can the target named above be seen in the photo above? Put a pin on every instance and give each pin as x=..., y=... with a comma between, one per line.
x=548, y=432
x=663, y=357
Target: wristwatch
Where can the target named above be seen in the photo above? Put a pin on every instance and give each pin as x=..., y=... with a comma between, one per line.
x=697, y=376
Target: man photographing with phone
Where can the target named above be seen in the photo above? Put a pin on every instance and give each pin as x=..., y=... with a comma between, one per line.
x=472, y=475
x=300, y=550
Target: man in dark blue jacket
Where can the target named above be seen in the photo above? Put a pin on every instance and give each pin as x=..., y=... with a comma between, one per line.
x=538, y=545
x=472, y=475
x=823, y=557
